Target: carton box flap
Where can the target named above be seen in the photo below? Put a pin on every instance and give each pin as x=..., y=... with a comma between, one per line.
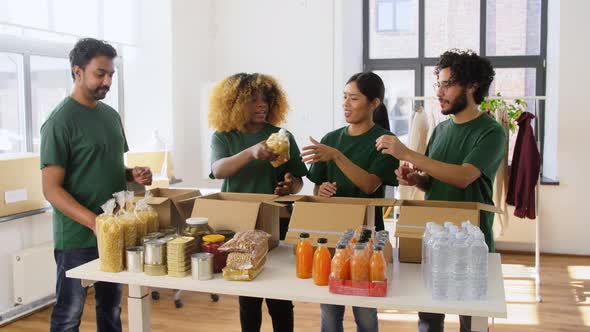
x=383, y=202
x=449, y=204
x=239, y=216
x=289, y=198
x=408, y=231
x=240, y=197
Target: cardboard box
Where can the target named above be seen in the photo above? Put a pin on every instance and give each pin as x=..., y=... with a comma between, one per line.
x=415, y=214
x=241, y=212
x=329, y=217
x=153, y=160
x=21, y=189
x=174, y=206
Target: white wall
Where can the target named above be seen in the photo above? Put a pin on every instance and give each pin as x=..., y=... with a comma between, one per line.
x=564, y=215
x=148, y=77
x=17, y=235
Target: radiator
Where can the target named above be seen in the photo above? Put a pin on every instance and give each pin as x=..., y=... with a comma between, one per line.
x=34, y=273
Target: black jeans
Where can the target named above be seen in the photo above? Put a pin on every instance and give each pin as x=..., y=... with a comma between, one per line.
x=71, y=296
x=430, y=322
x=280, y=311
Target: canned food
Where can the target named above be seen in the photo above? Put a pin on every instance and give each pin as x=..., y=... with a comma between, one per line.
x=202, y=266
x=135, y=259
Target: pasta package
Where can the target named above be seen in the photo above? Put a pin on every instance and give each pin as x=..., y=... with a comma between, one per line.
x=243, y=275
x=147, y=217
x=110, y=239
x=126, y=219
x=279, y=144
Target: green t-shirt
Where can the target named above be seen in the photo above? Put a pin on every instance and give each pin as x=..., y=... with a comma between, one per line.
x=89, y=144
x=258, y=176
x=479, y=142
x=362, y=152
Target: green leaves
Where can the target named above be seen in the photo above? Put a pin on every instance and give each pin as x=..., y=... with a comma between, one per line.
x=513, y=108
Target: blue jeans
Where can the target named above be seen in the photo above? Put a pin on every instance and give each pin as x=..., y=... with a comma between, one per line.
x=332, y=316
x=71, y=296
x=430, y=322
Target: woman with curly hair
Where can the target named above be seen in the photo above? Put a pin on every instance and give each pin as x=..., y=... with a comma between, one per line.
x=245, y=109
x=347, y=163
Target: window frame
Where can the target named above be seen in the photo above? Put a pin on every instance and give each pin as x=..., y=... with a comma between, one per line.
x=538, y=62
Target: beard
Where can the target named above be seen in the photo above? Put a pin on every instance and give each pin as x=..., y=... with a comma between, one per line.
x=100, y=92
x=458, y=105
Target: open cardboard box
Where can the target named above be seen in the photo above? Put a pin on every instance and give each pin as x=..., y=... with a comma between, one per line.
x=329, y=217
x=20, y=183
x=414, y=214
x=241, y=212
x=173, y=205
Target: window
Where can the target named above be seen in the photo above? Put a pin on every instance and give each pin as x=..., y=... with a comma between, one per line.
x=12, y=120
x=511, y=33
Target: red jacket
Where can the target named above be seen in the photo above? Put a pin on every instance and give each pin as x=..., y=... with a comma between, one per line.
x=525, y=168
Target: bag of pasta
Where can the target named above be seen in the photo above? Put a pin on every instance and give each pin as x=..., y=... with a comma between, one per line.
x=279, y=144
x=109, y=236
x=245, y=274
x=126, y=219
x=147, y=217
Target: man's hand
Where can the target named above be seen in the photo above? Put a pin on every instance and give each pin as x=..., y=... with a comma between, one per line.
x=261, y=152
x=285, y=187
x=142, y=175
x=407, y=176
x=318, y=152
x=391, y=145
x=327, y=189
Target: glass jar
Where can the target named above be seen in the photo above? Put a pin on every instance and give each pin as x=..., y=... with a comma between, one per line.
x=211, y=244
x=197, y=227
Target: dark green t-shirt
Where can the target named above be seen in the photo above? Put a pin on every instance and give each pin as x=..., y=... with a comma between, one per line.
x=258, y=176
x=362, y=152
x=479, y=142
x=89, y=144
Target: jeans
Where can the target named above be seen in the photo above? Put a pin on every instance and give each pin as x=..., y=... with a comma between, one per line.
x=430, y=322
x=332, y=316
x=70, y=295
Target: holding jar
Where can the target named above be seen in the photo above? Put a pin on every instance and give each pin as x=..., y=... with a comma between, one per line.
x=211, y=244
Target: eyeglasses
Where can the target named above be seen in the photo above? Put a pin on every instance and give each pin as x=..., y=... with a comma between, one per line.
x=444, y=84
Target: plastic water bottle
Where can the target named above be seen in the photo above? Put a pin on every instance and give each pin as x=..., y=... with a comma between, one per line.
x=440, y=266
x=459, y=274
x=478, y=267
x=431, y=229
x=448, y=224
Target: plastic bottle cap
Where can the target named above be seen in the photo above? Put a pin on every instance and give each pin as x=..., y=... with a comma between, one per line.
x=197, y=221
x=377, y=247
x=360, y=246
x=341, y=245
x=213, y=238
x=304, y=236
x=322, y=240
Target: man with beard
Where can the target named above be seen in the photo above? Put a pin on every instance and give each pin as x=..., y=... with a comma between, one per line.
x=464, y=152
x=82, y=147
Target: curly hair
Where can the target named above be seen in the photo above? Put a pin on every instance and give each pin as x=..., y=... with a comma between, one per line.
x=228, y=97
x=468, y=68
x=88, y=48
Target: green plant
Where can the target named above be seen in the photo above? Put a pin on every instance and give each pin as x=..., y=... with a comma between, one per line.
x=513, y=108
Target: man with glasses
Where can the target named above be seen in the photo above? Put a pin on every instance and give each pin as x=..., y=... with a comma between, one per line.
x=464, y=152
x=82, y=147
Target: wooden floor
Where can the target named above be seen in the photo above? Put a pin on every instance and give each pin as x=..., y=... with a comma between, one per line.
x=565, y=306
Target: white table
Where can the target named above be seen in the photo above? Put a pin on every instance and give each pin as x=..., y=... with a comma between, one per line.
x=278, y=281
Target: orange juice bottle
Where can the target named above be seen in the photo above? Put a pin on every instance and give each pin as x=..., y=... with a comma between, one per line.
x=377, y=265
x=359, y=264
x=341, y=263
x=322, y=261
x=304, y=257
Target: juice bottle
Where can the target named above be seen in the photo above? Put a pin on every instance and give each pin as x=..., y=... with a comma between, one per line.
x=304, y=257
x=377, y=264
x=322, y=261
x=341, y=263
x=359, y=264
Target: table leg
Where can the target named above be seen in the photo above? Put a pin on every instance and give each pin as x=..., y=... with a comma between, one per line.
x=479, y=324
x=138, y=307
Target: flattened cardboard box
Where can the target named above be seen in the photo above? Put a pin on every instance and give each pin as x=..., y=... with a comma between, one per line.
x=173, y=205
x=414, y=214
x=241, y=212
x=20, y=183
x=329, y=217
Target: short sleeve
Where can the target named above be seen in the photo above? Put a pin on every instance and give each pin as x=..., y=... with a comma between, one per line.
x=55, y=144
x=488, y=152
x=295, y=164
x=219, y=149
x=318, y=172
x=384, y=166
